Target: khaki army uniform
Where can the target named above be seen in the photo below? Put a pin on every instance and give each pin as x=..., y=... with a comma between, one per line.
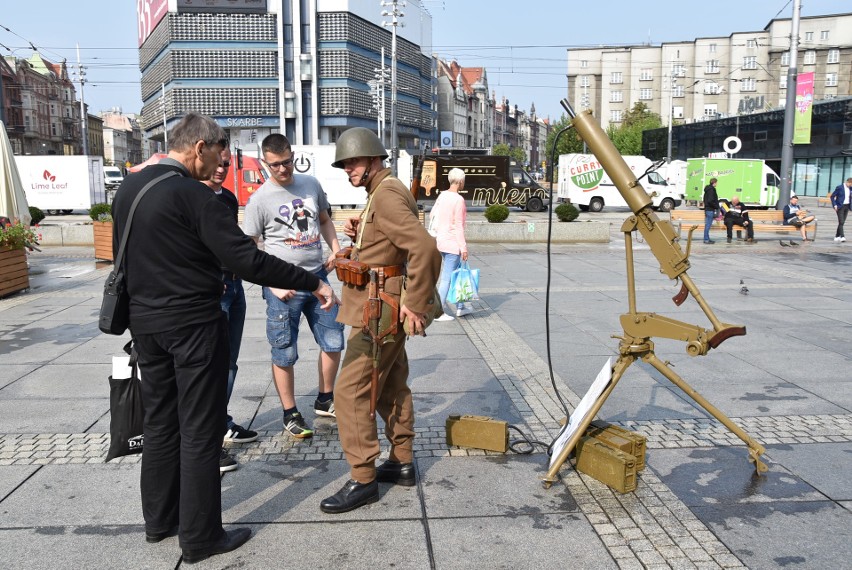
x=390, y=234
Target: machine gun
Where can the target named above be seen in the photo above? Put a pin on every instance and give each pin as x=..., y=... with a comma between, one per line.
x=640, y=327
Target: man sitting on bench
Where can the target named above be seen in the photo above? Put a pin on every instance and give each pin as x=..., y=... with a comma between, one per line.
x=795, y=215
x=736, y=215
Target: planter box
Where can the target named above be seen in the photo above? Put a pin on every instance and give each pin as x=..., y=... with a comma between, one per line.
x=103, y=240
x=14, y=275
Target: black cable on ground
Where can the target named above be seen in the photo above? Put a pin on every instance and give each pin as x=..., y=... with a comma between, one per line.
x=526, y=441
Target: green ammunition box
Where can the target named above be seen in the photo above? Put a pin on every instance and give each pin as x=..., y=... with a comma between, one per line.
x=480, y=432
x=612, y=467
x=627, y=441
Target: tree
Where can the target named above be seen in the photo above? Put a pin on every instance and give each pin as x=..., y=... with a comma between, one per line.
x=515, y=153
x=627, y=137
x=569, y=143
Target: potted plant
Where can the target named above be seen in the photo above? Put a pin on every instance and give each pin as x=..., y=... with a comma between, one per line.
x=566, y=212
x=101, y=215
x=14, y=238
x=496, y=213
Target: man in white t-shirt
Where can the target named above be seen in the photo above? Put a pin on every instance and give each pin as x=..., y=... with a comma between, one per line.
x=290, y=212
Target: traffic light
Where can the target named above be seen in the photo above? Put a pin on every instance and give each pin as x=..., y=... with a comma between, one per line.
x=239, y=159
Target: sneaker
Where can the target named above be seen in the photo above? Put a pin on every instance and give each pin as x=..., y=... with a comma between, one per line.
x=729, y=240
x=239, y=434
x=842, y=238
x=465, y=309
x=295, y=425
x=445, y=317
x=709, y=241
x=324, y=408
x=227, y=463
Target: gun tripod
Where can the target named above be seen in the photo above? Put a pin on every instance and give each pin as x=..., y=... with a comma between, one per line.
x=635, y=344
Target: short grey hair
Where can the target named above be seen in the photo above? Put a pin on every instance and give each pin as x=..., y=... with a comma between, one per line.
x=456, y=176
x=194, y=127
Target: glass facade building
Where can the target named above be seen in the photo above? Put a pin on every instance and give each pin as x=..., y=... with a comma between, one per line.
x=818, y=167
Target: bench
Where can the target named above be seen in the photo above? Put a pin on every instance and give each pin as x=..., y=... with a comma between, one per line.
x=763, y=220
x=825, y=201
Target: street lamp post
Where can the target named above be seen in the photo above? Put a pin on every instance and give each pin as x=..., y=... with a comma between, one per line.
x=790, y=111
x=84, y=129
x=395, y=15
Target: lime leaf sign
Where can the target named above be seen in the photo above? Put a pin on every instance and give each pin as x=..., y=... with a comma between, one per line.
x=587, y=174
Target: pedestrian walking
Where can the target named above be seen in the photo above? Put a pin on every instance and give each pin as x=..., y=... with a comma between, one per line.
x=840, y=199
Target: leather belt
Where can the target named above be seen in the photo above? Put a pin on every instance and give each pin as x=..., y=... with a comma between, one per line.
x=229, y=275
x=390, y=270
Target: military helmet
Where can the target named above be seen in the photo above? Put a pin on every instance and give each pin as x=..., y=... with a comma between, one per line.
x=356, y=142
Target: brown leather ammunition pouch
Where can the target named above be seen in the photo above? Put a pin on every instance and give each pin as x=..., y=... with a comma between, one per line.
x=350, y=271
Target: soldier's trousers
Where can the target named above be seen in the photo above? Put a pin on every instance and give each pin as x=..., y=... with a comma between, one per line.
x=358, y=433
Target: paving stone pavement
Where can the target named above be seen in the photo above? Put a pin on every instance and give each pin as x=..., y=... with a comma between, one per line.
x=698, y=503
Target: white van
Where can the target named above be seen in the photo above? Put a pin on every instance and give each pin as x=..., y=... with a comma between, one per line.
x=112, y=177
x=584, y=183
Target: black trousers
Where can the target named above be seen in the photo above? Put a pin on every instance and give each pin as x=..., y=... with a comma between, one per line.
x=842, y=212
x=184, y=389
x=731, y=221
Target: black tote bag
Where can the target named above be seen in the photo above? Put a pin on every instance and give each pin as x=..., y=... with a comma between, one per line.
x=126, y=411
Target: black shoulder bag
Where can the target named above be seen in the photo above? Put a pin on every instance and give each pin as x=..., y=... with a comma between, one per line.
x=115, y=307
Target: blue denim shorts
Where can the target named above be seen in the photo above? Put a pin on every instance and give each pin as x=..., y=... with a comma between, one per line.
x=282, y=324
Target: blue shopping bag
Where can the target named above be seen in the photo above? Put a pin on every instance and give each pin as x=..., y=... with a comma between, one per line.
x=464, y=284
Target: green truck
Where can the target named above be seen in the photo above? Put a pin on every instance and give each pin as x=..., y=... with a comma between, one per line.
x=751, y=180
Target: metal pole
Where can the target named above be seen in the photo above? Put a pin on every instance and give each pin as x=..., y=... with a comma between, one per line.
x=394, y=140
x=382, y=97
x=790, y=111
x=165, y=127
x=671, y=113
x=83, y=115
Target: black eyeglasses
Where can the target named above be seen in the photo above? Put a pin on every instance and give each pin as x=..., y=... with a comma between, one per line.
x=226, y=164
x=285, y=163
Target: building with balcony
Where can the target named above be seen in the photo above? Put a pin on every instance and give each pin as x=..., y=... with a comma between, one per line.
x=41, y=103
x=301, y=68
x=707, y=78
x=465, y=111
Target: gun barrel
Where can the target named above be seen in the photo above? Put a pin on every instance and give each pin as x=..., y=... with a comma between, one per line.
x=622, y=177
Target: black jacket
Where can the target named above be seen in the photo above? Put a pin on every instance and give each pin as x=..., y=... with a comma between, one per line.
x=711, y=199
x=179, y=234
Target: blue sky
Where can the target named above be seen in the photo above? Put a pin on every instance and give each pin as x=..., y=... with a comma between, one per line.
x=522, y=44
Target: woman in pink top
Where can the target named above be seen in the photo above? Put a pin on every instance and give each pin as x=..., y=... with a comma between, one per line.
x=446, y=223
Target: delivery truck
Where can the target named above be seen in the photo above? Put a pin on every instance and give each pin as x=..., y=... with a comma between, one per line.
x=751, y=180
x=488, y=180
x=245, y=176
x=584, y=183
x=61, y=184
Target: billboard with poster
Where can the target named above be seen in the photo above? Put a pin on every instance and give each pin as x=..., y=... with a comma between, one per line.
x=148, y=14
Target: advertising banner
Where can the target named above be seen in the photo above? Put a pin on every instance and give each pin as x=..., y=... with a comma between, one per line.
x=149, y=13
x=804, y=108
x=446, y=139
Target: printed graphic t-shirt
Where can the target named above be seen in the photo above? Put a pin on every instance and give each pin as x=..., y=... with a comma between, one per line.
x=288, y=220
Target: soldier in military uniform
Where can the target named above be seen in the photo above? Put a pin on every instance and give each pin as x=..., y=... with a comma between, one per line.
x=388, y=236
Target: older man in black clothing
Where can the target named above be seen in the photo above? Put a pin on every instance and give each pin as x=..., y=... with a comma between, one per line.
x=181, y=237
